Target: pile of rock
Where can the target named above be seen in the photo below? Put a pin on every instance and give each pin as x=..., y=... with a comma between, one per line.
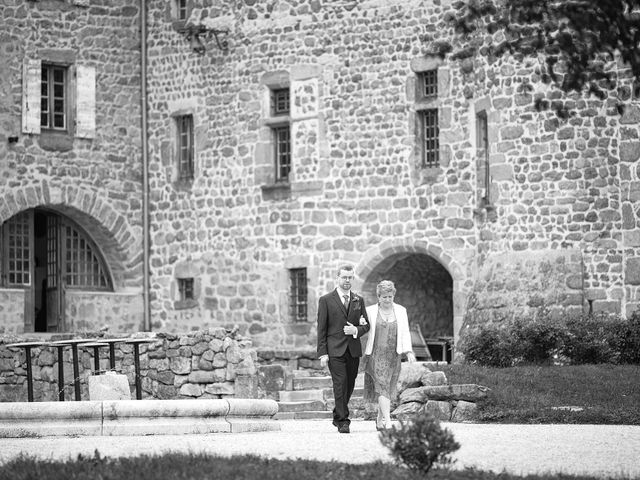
x=421, y=390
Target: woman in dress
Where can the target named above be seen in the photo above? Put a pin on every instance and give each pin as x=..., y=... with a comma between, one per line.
x=389, y=339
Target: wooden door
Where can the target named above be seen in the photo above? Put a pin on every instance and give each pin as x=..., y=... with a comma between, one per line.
x=54, y=287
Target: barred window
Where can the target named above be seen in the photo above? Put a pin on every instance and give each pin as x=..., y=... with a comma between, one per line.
x=280, y=101
x=53, y=97
x=428, y=83
x=83, y=266
x=282, y=144
x=298, y=294
x=185, y=287
x=429, y=137
x=18, y=252
x=184, y=124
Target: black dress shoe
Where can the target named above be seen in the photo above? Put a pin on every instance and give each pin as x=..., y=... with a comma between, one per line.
x=335, y=424
x=343, y=428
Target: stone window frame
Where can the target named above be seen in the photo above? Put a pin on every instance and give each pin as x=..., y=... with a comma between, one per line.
x=278, y=186
x=298, y=294
x=186, y=270
x=486, y=193
x=173, y=13
x=80, y=96
x=284, y=286
x=420, y=104
x=185, y=148
x=178, y=181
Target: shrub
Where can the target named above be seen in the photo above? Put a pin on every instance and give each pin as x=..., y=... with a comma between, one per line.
x=420, y=443
x=489, y=345
x=537, y=339
x=630, y=340
x=593, y=339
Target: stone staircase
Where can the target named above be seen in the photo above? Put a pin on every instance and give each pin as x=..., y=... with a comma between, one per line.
x=309, y=395
x=312, y=397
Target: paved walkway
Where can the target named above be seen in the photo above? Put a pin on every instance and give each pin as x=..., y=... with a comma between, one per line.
x=600, y=450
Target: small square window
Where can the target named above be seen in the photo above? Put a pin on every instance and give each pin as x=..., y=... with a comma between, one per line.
x=280, y=102
x=184, y=127
x=53, y=97
x=298, y=294
x=428, y=84
x=429, y=137
x=185, y=286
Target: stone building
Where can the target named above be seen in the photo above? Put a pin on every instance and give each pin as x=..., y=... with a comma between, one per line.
x=220, y=176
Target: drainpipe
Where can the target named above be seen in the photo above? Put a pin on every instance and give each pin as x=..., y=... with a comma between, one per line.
x=145, y=165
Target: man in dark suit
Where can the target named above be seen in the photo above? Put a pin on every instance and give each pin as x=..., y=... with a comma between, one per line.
x=342, y=320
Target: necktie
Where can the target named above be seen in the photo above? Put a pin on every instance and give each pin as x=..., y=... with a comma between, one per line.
x=346, y=302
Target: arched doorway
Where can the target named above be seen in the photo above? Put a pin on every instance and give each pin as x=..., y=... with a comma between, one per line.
x=425, y=289
x=46, y=253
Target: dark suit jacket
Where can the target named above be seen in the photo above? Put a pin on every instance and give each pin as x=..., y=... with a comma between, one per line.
x=332, y=318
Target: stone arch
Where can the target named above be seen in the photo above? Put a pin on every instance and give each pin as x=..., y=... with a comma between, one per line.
x=390, y=258
x=109, y=229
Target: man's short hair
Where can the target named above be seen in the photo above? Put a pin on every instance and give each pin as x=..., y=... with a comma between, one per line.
x=347, y=267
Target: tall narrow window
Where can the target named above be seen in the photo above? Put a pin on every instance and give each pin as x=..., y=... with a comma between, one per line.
x=429, y=137
x=280, y=107
x=185, y=147
x=482, y=136
x=185, y=287
x=17, y=248
x=298, y=294
x=53, y=97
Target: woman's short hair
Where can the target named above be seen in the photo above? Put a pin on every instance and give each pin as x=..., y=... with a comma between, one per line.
x=385, y=286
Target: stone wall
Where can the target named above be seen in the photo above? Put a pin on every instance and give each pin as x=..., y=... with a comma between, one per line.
x=215, y=363
x=357, y=190
x=11, y=311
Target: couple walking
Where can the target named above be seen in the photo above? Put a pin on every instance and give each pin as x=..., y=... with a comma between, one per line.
x=342, y=320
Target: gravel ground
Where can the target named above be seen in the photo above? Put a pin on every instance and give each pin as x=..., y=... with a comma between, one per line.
x=599, y=450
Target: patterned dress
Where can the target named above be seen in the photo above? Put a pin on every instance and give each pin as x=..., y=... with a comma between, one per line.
x=382, y=367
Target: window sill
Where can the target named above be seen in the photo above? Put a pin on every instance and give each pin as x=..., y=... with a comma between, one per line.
x=185, y=304
x=277, y=121
x=276, y=191
x=56, y=141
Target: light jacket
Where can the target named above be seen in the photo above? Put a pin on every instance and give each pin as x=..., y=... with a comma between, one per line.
x=404, y=335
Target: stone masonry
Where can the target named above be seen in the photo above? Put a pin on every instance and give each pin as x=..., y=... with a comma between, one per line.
x=555, y=225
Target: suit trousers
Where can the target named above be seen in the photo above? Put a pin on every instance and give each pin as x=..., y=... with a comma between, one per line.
x=344, y=371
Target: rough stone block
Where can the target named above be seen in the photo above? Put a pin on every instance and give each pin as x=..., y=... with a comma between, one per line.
x=110, y=386
x=464, y=411
x=439, y=409
x=469, y=392
x=406, y=410
x=411, y=375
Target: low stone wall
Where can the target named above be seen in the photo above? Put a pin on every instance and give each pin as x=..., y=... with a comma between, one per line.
x=207, y=364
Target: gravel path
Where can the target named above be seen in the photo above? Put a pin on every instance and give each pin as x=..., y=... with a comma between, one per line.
x=600, y=450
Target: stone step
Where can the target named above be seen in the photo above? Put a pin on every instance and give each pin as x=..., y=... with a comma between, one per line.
x=327, y=393
x=309, y=373
x=301, y=406
x=307, y=415
x=314, y=383
x=301, y=395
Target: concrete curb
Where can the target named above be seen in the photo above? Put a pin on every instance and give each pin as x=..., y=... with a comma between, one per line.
x=137, y=417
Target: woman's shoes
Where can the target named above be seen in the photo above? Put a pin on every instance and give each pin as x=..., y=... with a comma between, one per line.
x=382, y=425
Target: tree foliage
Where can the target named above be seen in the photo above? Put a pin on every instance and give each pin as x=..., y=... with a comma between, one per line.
x=573, y=39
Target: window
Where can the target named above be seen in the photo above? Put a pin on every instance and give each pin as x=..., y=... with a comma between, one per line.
x=429, y=137
x=83, y=266
x=280, y=107
x=18, y=249
x=298, y=295
x=282, y=141
x=185, y=287
x=53, y=97
x=280, y=101
x=482, y=139
x=182, y=10
x=428, y=84
x=184, y=126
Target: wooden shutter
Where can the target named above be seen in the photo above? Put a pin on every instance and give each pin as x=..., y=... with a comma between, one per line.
x=31, y=91
x=85, y=101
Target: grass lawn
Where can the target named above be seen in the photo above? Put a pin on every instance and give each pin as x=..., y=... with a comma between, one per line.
x=203, y=467
x=608, y=394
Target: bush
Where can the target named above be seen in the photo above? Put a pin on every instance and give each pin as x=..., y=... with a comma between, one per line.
x=420, y=443
x=490, y=346
x=630, y=340
x=537, y=339
x=593, y=339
